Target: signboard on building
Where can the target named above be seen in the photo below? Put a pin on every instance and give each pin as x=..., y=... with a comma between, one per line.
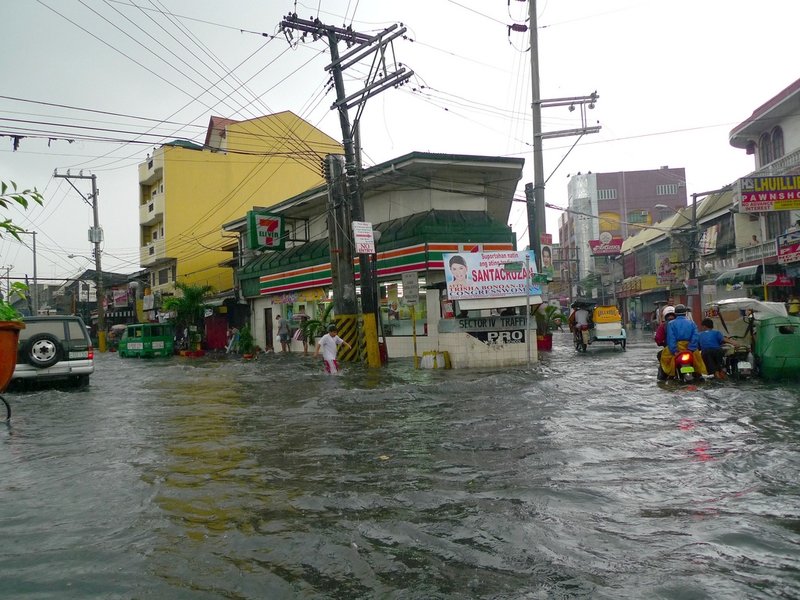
x=496, y=330
x=546, y=239
x=767, y=194
x=607, y=245
x=788, y=247
x=410, y=287
x=265, y=231
x=363, y=237
x=120, y=297
x=665, y=267
x=472, y=275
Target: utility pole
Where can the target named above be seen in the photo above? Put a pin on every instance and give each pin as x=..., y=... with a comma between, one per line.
x=341, y=250
x=382, y=76
x=537, y=223
x=8, y=279
x=96, y=237
x=694, y=242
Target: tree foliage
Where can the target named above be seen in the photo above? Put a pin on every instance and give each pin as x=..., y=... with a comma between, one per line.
x=190, y=305
x=10, y=193
x=315, y=328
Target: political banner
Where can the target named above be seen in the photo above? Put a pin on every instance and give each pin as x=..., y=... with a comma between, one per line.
x=471, y=275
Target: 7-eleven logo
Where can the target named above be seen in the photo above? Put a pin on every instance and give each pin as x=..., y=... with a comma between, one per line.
x=268, y=229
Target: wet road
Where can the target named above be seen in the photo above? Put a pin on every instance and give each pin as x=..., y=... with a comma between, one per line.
x=579, y=478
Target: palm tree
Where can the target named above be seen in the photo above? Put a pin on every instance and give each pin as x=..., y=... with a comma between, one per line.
x=189, y=308
x=315, y=328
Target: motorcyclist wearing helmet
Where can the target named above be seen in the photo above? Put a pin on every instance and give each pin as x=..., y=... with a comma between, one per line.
x=660, y=336
x=681, y=335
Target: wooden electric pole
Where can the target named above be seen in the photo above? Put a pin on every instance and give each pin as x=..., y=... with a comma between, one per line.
x=96, y=237
x=382, y=76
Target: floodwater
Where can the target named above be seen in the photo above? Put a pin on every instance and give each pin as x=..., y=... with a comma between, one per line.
x=578, y=478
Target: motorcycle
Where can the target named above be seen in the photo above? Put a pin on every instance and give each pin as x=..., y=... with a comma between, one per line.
x=685, y=370
x=738, y=361
x=684, y=367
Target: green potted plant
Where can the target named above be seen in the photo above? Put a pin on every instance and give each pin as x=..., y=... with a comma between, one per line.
x=548, y=319
x=246, y=342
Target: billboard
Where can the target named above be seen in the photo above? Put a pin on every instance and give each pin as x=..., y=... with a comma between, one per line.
x=607, y=245
x=472, y=275
x=767, y=194
x=265, y=231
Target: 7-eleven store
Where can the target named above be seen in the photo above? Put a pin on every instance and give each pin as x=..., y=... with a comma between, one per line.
x=298, y=280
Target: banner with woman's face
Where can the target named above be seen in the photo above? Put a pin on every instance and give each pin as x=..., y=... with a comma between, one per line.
x=547, y=261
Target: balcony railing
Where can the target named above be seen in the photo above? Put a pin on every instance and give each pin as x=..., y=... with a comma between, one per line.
x=780, y=166
x=756, y=252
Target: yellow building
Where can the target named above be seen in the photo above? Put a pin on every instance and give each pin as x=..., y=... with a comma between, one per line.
x=187, y=191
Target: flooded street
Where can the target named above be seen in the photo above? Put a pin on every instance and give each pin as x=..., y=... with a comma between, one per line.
x=579, y=478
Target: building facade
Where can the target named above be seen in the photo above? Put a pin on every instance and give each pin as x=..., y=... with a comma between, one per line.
x=620, y=204
x=187, y=191
x=422, y=206
x=772, y=136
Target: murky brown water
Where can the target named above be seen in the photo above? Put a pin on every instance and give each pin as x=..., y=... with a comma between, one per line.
x=581, y=478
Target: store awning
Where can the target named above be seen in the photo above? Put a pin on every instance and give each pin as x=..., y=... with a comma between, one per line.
x=743, y=275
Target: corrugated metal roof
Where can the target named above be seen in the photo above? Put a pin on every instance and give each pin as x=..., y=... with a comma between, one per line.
x=650, y=233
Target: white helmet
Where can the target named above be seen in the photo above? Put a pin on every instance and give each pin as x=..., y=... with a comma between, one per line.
x=668, y=310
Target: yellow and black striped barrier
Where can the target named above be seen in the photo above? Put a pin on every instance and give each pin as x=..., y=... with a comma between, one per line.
x=347, y=329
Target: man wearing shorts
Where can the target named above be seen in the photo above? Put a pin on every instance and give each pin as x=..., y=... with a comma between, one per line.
x=329, y=344
x=283, y=332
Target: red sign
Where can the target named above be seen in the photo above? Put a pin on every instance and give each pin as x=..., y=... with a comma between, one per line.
x=546, y=239
x=765, y=194
x=606, y=247
x=789, y=247
x=779, y=280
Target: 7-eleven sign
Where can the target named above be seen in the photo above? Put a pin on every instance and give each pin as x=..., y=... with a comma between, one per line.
x=265, y=231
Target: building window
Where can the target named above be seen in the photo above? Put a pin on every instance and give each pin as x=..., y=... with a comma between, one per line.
x=777, y=223
x=174, y=271
x=607, y=194
x=777, y=143
x=638, y=216
x=667, y=189
x=163, y=276
x=764, y=150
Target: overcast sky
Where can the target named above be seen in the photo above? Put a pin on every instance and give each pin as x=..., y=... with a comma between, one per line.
x=673, y=79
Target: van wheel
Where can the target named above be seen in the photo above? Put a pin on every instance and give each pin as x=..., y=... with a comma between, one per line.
x=82, y=381
x=42, y=350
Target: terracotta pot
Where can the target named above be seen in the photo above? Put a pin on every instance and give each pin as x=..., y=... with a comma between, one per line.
x=9, y=337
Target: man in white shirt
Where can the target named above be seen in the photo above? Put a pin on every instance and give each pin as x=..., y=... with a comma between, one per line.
x=329, y=343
